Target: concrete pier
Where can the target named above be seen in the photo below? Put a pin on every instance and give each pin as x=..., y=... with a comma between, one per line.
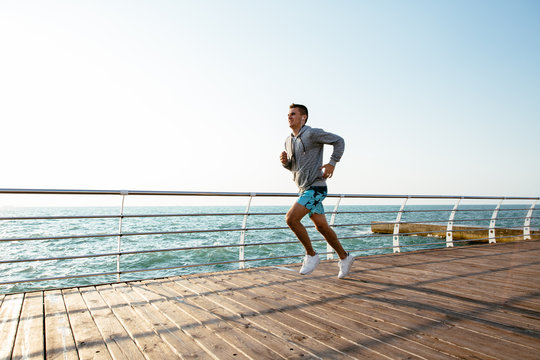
x=459, y=232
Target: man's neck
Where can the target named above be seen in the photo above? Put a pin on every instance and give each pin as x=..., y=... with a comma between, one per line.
x=296, y=131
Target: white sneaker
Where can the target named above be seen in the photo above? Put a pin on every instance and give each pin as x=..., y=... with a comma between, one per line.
x=310, y=263
x=345, y=266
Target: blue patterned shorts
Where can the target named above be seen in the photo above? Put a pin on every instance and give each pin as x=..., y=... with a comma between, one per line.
x=312, y=199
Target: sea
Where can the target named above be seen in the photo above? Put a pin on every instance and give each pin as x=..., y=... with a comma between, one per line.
x=199, y=235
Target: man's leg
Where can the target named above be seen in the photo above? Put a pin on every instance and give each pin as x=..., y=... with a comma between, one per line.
x=322, y=226
x=293, y=218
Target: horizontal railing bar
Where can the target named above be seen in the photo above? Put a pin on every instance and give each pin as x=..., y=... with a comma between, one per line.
x=246, y=194
x=422, y=244
x=138, y=192
x=146, y=233
x=455, y=221
x=206, y=247
x=501, y=218
x=90, y=256
x=60, y=237
x=223, y=262
x=227, y=230
x=139, y=270
x=135, y=252
x=71, y=257
x=441, y=231
x=68, y=217
x=131, y=216
x=420, y=211
x=435, y=243
x=410, y=233
x=189, y=215
x=424, y=223
x=212, y=264
x=60, y=217
x=401, y=234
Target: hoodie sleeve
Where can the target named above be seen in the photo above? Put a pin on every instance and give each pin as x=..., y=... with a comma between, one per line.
x=288, y=149
x=322, y=137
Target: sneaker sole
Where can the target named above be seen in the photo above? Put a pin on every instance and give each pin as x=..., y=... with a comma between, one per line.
x=349, y=271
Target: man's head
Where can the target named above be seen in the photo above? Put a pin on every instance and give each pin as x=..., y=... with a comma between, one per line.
x=298, y=113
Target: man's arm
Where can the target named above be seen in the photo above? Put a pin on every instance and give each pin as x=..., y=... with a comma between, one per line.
x=284, y=161
x=322, y=137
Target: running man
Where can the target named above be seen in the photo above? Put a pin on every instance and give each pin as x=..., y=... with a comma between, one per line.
x=303, y=157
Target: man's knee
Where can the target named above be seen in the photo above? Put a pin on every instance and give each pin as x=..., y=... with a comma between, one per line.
x=295, y=214
x=291, y=219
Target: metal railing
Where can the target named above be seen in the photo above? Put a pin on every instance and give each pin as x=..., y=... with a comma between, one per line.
x=289, y=251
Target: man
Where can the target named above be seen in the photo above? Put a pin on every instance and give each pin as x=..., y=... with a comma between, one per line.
x=303, y=157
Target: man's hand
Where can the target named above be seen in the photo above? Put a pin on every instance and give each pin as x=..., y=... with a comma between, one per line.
x=328, y=171
x=283, y=158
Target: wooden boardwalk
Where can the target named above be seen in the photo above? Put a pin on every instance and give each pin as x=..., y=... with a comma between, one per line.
x=477, y=302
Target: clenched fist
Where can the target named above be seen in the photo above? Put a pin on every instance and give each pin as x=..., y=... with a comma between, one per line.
x=283, y=158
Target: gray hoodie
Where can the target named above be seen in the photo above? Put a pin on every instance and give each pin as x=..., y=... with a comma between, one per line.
x=305, y=155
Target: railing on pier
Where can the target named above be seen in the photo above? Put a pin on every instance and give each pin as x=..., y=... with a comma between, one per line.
x=358, y=242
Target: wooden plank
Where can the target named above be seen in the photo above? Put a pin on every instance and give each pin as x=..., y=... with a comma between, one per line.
x=29, y=342
x=515, y=278
x=59, y=342
x=148, y=342
x=251, y=347
x=456, y=288
x=270, y=319
x=173, y=307
x=386, y=303
x=456, y=284
x=183, y=344
x=246, y=344
x=9, y=320
x=415, y=341
x=459, y=269
x=335, y=335
x=249, y=318
x=388, y=309
x=480, y=318
x=370, y=336
x=485, y=268
x=456, y=305
x=118, y=341
x=230, y=335
x=88, y=340
x=455, y=301
x=279, y=347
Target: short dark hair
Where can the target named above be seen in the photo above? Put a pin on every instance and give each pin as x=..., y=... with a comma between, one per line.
x=302, y=108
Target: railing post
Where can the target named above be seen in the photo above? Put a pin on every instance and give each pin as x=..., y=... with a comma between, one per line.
x=241, y=255
x=492, y=238
x=395, y=239
x=119, y=248
x=527, y=223
x=450, y=226
x=329, y=249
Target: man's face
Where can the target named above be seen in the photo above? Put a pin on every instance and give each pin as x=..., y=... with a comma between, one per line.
x=296, y=119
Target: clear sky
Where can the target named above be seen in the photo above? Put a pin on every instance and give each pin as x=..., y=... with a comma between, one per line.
x=432, y=97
